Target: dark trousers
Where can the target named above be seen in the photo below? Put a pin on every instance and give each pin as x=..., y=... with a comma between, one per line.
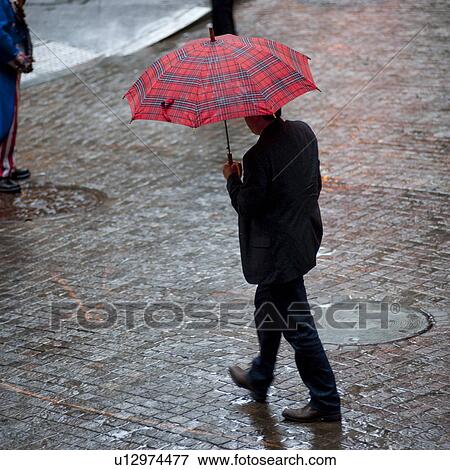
x=222, y=16
x=283, y=309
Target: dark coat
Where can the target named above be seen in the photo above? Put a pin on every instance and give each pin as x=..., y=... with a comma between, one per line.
x=280, y=227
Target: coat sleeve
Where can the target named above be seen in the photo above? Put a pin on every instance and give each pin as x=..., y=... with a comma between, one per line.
x=249, y=197
x=8, y=50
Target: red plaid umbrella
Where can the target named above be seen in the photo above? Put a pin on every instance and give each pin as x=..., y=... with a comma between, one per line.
x=216, y=79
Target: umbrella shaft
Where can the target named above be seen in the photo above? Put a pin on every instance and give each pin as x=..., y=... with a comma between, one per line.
x=230, y=157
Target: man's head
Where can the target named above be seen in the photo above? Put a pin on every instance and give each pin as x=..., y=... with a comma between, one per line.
x=258, y=123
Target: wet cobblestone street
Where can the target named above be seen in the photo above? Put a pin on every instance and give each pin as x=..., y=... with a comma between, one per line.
x=135, y=232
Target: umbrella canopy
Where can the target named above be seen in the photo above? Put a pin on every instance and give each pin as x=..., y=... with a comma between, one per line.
x=216, y=79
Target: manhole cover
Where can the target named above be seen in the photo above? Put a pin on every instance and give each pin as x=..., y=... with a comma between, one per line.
x=358, y=322
x=47, y=201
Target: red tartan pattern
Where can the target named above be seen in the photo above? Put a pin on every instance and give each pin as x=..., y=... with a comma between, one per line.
x=233, y=77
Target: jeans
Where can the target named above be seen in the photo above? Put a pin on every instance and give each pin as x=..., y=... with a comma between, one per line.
x=283, y=309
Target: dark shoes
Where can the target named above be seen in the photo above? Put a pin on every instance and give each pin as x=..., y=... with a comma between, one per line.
x=308, y=414
x=20, y=174
x=8, y=186
x=240, y=378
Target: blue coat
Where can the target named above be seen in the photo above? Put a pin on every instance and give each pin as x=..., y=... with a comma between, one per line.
x=10, y=37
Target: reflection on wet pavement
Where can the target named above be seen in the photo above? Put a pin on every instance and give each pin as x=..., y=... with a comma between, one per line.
x=265, y=423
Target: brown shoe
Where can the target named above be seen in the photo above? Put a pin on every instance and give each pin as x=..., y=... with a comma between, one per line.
x=308, y=414
x=240, y=378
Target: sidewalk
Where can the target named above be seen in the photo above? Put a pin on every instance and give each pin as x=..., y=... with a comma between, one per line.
x=170, y=236
x=89, y=30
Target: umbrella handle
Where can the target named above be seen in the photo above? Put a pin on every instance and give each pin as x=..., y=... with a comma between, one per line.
x=230, y=158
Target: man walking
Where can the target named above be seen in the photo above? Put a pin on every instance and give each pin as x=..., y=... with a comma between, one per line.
x=15, y=58
x=280, y=231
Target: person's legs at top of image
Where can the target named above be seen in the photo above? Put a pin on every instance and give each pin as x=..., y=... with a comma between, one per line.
x=222, y=15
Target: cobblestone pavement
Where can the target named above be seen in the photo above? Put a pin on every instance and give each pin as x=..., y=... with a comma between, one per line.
x=383, y=133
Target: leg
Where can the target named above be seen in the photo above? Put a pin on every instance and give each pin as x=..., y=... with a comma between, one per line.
x=310, y=357
x=223, y=17
x=8, y=144
x=269, y=336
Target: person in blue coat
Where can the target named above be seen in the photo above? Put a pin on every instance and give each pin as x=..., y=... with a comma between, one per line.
x=15, y=59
